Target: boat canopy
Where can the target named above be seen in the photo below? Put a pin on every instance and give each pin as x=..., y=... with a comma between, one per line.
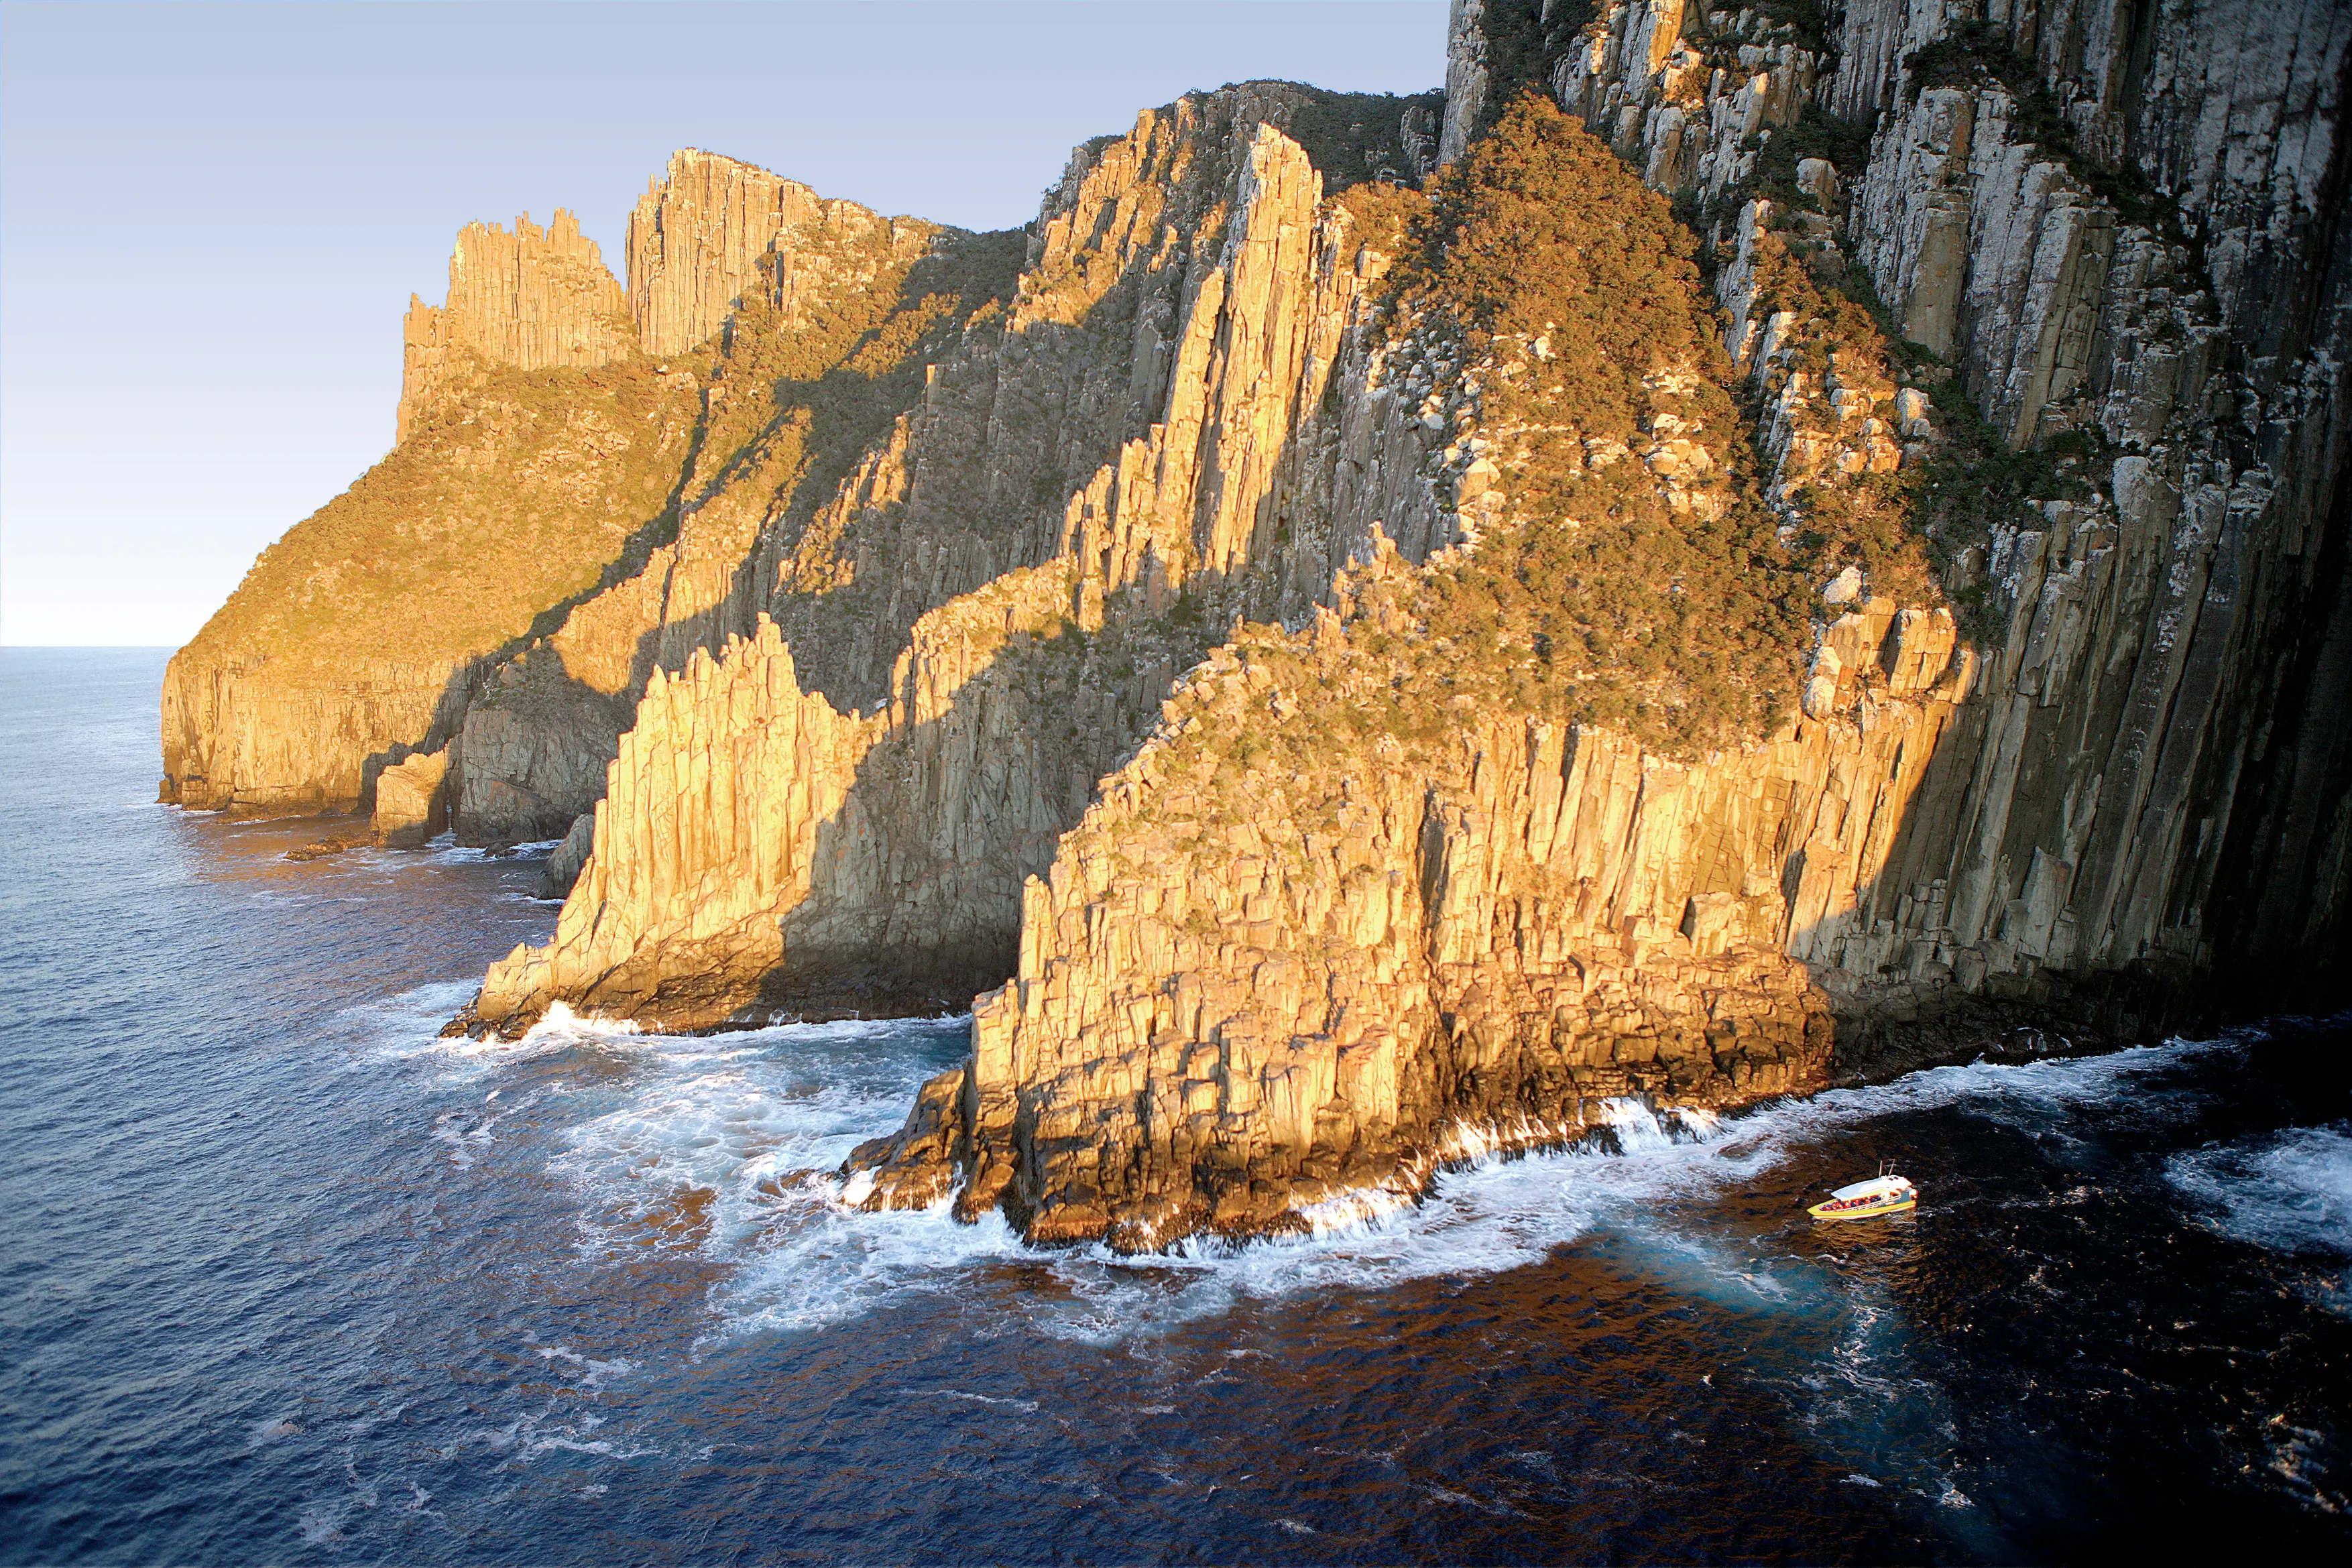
x=1877, y=1186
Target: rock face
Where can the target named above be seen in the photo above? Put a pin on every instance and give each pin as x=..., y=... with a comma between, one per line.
x=412, y=799
x=533, y=747
x=535, y=298
x=1230, y=1010
x=571, y=854
x=1134, y=500
x=240, y=736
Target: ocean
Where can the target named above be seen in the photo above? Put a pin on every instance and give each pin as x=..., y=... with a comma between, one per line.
x=288, y=1277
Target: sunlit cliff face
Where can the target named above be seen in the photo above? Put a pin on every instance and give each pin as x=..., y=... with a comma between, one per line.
x=1368, y=654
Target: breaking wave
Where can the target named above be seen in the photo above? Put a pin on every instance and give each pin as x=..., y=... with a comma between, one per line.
x=1489, y=1209
x=446, y=849
x=1492, y=1207
x=2288, y=1192
x=720, y=1149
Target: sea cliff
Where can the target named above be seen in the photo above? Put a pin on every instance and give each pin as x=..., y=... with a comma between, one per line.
x=1736, y=542
x=2121, y=794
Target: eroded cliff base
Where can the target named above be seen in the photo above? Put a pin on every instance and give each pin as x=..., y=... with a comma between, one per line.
x=1543, y=1093
x=1235, y=1133
x=729, y=996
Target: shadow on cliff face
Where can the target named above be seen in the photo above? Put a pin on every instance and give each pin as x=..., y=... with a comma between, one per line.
x=839, y=420
x=948, y=817
x=2208, y=881
x=478, y=677
x=2137, y=823
x=2275, y=891
x=2278, y=903
x=552, y=732
x=916, y=878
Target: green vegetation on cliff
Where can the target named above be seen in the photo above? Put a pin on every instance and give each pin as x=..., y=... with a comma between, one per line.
x=1636, y=578
x=1912, y=531
x=1355, y=138
x=512, y=498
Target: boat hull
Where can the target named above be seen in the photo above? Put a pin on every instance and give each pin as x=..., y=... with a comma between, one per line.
x=1832, y=1211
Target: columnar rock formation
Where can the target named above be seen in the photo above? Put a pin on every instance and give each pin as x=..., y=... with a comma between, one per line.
x=1123, y=611
x=2124, y=233
x=711, y=232
x=1308, y=988
x=694, y=822
x=533, y=299
x=1239, y=997
x=1142, y=499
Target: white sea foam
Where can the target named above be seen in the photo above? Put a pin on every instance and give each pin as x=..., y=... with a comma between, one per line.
x=264, y=1433
x=707, y=1140
x=705, y=1145
x=2290, y=1192
x=822, y=1264
x=1637, y=1127
x=536, y=1432
x=1027, y=1406
x=1496, y=1212
x=321, y=1523
x=460, y=1137
x=1488, y=1211
x=592, y=1372
x=716, y=1145
x=408, y=1026
x=446, y=851
x=402, y=1026
x=1491, y=1212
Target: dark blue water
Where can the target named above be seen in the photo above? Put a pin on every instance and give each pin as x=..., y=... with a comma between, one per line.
x=287, y=1278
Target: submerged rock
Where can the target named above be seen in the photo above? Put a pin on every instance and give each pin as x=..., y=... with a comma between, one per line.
x=328, y=848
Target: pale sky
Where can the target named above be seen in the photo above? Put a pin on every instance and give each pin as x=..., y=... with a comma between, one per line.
x=211, y=215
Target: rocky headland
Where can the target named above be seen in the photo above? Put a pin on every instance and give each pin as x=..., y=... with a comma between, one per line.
x=1731, y=545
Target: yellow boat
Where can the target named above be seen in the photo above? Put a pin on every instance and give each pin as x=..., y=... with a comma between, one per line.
x=1885, y=1193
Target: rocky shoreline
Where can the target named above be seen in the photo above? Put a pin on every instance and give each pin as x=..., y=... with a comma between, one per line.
x=933, y=1159
x=1740, y=548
